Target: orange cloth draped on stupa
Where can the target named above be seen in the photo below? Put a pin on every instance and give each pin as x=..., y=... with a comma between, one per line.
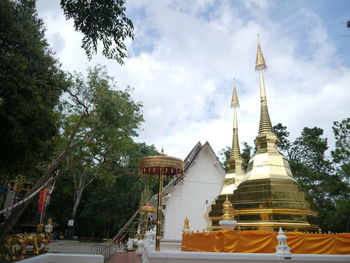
x=263, y=242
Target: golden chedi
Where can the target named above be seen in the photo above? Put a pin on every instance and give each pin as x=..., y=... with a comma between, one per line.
x=269, y=197
x=235, y=173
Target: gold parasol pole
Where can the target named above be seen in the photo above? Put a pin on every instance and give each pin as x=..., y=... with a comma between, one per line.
x=161, y=165
x=159, y=210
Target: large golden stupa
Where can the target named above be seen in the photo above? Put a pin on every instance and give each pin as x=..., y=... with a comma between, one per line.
x=269, y=197
x=266, y=196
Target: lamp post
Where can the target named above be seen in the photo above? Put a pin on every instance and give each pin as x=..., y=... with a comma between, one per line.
x=161, y=165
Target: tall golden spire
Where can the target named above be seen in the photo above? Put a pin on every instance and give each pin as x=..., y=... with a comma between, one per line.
x=260, y=65
x=235, y=152
x=266, y=140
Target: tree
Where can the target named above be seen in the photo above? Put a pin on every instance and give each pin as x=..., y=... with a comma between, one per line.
x=115, y=200
x=341, y=156
x=101, y=20
x=310, y=148
x=31, y=83
x=314, y=171
x=247, y=152
x=282, y=135
x=114, y=197
x=112, y=119
x=95, y=114
x=341, y=153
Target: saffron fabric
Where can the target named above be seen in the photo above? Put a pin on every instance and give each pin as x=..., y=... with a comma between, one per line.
x=265, y=242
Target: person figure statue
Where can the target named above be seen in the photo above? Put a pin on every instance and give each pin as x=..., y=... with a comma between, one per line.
x=48, y=229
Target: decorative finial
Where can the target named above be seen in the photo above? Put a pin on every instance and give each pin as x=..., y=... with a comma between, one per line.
x=162, y=151
x=235, y=152
x=234, y=101
x=260, y=61
x=265, y=122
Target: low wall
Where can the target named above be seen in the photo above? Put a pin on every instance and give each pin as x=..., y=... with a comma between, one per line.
x=208, y=257
x=228, y=241
x=64, y=258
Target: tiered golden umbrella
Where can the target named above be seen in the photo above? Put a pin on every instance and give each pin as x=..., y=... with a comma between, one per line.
x=161, y=165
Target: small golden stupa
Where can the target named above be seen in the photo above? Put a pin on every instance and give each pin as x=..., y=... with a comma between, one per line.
x=235, y=173
x=269, y=197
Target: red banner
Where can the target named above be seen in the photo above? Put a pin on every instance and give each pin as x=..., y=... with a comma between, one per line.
x=41, y=203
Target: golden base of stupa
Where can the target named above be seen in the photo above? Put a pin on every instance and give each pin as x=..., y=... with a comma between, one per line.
x=267, y=204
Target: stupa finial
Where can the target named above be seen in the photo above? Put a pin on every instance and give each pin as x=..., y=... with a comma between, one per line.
x=260, y=61
x=234, y=101
x=260, y=65
x=235, y=151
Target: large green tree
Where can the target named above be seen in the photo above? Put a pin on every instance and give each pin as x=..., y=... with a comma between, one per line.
x=31, y=83
x=313, y=169
x=341, y=156
x=112, y=118
x=95, y=113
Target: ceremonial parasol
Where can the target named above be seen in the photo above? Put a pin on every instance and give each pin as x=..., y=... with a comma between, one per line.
x=161, y=165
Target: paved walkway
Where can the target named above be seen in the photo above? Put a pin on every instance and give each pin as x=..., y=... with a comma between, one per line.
x=129, y=257
x=69, y=246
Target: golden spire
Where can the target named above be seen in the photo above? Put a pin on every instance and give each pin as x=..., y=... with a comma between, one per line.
x=266, y=140
x=234, y=101
x=235, y=152
x=260, y=61
x=260, y=65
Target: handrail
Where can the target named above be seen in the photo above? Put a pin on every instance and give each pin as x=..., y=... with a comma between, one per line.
x=121, y=231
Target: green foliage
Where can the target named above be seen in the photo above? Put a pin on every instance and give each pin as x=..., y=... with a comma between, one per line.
x=224, y=155
x=107, y=119
x=310, y=148
x=315, y=172
x=114, y=199
x=101, y=20
x=282, y=135
x=31, y=83
x=246, y=154
x=341, y=156
x=341, y=153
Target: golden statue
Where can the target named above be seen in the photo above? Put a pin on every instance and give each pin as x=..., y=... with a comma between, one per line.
x=227, y=210
x=186, y=223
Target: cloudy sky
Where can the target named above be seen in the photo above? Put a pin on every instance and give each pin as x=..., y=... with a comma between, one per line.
x=185, y=55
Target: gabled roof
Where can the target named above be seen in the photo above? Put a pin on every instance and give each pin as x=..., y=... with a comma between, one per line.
x=189, y=160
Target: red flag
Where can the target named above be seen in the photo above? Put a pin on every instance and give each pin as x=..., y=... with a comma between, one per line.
x=41, y=203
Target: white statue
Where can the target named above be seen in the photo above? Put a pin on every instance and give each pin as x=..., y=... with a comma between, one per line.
x=282, y=247
x=130, y=244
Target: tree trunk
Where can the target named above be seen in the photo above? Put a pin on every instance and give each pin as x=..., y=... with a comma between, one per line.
x=77, y=200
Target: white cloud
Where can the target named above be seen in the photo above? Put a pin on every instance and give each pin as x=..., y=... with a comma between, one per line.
x=186, y=54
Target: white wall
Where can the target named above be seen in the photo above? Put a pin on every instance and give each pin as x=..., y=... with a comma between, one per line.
x=193, y=196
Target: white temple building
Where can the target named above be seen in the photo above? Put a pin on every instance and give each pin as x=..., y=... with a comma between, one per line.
x=192, y=195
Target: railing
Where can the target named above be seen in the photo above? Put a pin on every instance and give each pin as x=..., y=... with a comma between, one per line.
x=107, y=250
